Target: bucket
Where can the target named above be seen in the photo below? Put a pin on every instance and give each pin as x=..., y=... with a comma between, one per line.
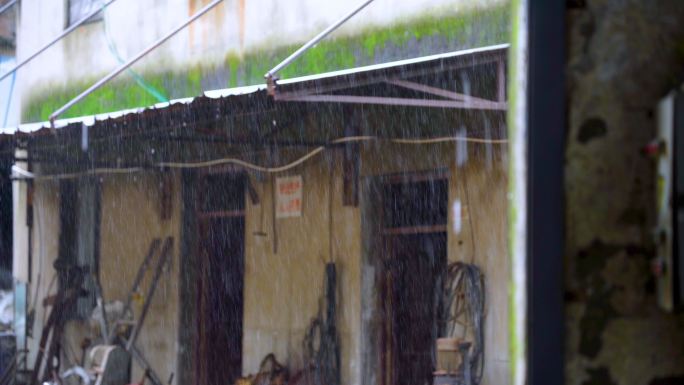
x=448, y=355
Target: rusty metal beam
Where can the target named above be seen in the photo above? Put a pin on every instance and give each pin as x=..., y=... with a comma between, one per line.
x=437, y=91
x=132, y=61
x=360, y=80
x=407, y=102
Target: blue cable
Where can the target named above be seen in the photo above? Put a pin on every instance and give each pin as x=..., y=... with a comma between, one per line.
x=9, y=99
x=138, y=79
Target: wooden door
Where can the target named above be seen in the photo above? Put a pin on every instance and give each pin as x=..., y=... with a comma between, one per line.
x=221, y=280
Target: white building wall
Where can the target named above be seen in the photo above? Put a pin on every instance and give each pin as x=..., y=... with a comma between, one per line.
x=235, y=26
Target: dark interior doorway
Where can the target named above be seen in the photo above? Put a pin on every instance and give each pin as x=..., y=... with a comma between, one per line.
x=5, y=224
x=415, y=255
x=221, y=228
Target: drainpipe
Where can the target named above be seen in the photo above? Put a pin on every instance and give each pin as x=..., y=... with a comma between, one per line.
x=20, y=235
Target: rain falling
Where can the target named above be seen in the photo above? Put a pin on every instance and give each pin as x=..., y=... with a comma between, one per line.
x=378, y=192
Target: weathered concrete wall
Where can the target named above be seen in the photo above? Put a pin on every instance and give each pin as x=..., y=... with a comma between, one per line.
x=480, y=184
x=234, y=26
x=233, y=45
x=283, y=289
x=623, y=57
x=131, y=219
x=481, y=187
x=219, y=42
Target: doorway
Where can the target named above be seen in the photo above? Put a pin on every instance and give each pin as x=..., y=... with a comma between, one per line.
x=5, y=224
x=415, y=255
x=221, y=228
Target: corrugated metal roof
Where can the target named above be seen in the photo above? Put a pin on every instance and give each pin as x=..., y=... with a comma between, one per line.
x=90, y=120
x=344, y=76
x=395, y=64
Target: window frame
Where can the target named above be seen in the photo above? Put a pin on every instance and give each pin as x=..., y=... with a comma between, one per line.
x=68, y=21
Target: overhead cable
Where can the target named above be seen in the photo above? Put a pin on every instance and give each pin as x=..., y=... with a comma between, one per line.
x=23, y=174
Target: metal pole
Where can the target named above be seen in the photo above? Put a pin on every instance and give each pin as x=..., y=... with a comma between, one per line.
x=271, y=74
x=163, y=257
x=544, y=147
x=7, y=6
x=130, y=62
x=58, y=38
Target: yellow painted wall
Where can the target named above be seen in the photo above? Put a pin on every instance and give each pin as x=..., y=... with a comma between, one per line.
x=130, y=221
x=485, y=204
x=283, y=289
x=484, y=177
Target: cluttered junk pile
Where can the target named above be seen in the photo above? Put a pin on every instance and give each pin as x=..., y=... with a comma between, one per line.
x=320, y=345
x=108, y=359
x=459, y=358
x=460, y=345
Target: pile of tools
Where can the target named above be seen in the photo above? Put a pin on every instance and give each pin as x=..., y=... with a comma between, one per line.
x=109, y=361
x=321, y=348
x=460, y=348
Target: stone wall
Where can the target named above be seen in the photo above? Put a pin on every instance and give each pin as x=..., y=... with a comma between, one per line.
x=623, y=56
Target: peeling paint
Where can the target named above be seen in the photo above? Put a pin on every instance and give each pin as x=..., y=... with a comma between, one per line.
x=422, y=36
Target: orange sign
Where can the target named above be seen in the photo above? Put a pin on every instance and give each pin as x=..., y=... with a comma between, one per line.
x=289, y=196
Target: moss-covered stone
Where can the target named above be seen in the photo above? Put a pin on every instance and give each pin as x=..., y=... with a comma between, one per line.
x=599, y=376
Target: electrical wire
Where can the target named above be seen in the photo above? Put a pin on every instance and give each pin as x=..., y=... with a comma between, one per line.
x=251, y=166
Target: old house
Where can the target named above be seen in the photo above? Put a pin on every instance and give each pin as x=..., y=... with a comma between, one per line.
x=361, y=160
x=388, y=172
x=261, y=215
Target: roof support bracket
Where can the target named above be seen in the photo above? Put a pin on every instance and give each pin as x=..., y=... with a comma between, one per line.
x=437, y=91
x=392, y=101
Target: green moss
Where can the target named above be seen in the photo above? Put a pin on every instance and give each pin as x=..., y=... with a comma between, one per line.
x=420, y=36
x=516, y=316
x=233, y=62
